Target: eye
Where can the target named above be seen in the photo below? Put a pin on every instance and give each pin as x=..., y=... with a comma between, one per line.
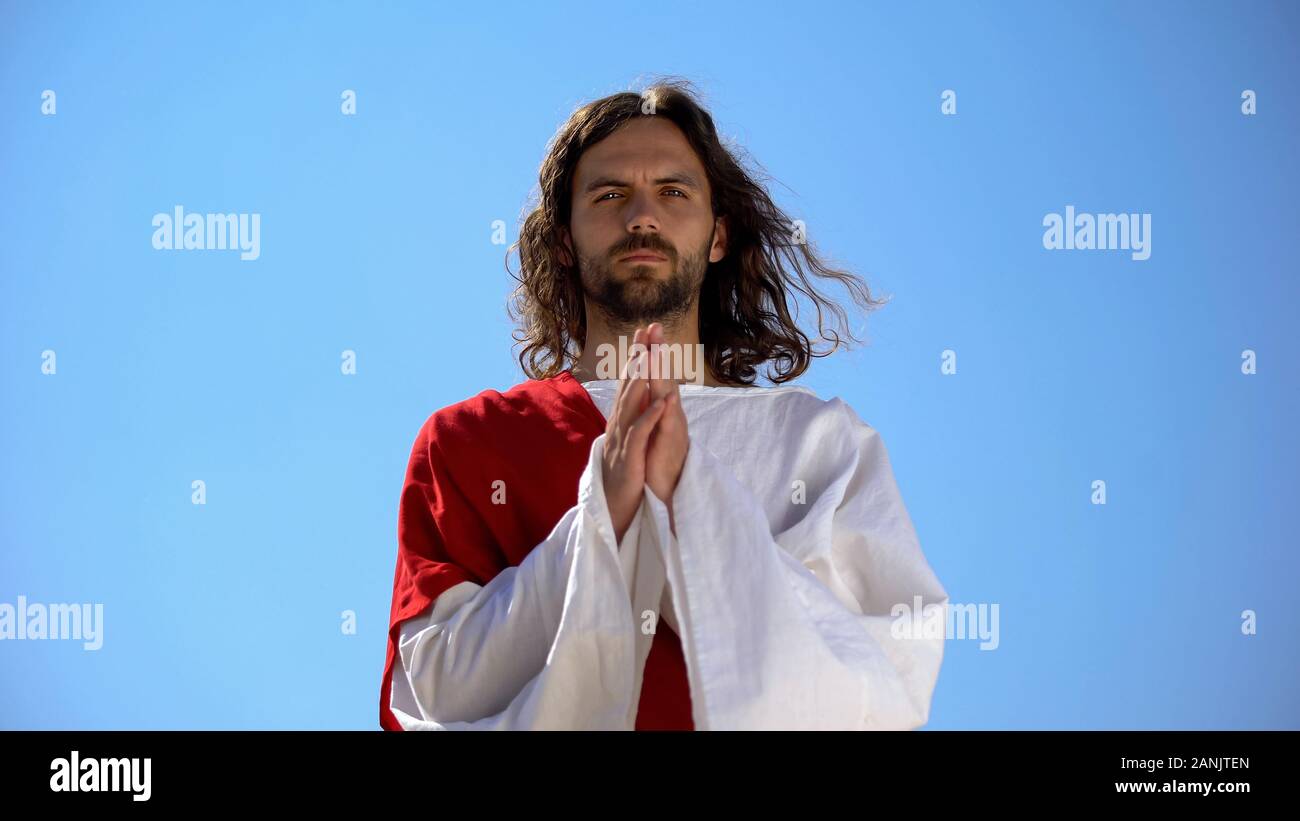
x=602, y=197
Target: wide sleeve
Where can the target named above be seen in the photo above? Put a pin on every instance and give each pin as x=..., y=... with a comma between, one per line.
x=803, y=634
x=546, y=644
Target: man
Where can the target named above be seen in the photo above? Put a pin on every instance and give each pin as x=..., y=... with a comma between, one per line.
x=618, y=547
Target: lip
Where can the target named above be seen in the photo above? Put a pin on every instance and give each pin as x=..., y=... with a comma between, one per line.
x=644, y=257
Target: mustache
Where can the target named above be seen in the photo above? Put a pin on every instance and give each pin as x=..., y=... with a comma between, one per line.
x=646, y=242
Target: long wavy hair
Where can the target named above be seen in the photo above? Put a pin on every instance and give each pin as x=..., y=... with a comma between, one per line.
x=749, y=301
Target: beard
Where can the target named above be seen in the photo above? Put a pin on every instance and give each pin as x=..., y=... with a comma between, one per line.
x=641, y=297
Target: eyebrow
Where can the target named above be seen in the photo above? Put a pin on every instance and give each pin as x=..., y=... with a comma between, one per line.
x=676, y=177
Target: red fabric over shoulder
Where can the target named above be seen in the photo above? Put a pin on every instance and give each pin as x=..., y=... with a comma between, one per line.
x=535, y=438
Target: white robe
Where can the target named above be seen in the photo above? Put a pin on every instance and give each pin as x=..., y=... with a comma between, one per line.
x=792, y=548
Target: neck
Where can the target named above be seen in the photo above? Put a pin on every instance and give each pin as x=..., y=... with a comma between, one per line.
x=603, y=338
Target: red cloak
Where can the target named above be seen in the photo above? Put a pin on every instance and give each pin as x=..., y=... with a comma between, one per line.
x=537, y=438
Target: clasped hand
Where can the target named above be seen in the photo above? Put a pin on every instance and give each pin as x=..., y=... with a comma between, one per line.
x=646, y=438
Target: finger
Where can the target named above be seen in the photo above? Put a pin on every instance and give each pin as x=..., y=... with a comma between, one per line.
x=671, y=393
x=626, y=380
x=642, y=370
x=641, y=342
x=637, y=346
x=672, y=423
x=635, y=396
x=659, y=380
x=639, y=434
x=629, y=366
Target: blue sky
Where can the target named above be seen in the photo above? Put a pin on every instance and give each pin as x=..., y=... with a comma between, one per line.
x=1073, y=366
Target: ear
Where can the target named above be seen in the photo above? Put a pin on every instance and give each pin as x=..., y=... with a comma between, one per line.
x=565, y=251
x=719, y=248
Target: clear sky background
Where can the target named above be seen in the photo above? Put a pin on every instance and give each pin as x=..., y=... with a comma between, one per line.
x=1072, y=366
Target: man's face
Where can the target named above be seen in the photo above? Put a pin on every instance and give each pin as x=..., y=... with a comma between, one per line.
x=642, y=223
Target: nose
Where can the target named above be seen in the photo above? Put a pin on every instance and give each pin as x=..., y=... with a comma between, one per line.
x=641, y=216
